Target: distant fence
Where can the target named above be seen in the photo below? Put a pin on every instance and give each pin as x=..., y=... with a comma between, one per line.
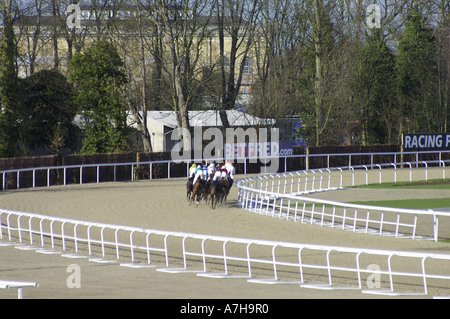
x=138, y=166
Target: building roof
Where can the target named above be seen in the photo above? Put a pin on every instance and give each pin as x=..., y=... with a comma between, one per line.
x=209, y=118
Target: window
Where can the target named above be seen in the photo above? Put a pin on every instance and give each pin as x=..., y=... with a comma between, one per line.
x=248, y=65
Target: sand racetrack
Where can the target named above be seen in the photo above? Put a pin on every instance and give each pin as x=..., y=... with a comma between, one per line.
x=161, y=204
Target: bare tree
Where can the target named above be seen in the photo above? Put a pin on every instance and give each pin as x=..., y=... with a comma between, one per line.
x=237, y=21
x=140, y=113
x=73, y=36
x=184, y=30
x=279, y=37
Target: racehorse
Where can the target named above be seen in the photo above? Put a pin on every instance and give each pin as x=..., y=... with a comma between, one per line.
x=214, y=193
x=195, y=191
x=189, y=189
x=207, y=190
x=230, y=183
x=198, y=191
x=225, y=189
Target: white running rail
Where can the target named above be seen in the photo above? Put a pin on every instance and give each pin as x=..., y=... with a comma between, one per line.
x=7, y=284
x=282, y=196
x=311, y=266
x=257, y=261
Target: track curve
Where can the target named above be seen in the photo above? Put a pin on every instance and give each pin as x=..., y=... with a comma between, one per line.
x=161, y=204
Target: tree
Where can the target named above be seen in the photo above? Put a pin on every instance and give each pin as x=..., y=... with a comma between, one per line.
x=138, y=100
x=416, y=67
x=236, y=24
x=321, y=50
x=278, y=41
x=181, y=30
x=9, y=83
x=375, y=83
x=99, y=79
x=36, y=38
x=46, y=115
x=443, y=60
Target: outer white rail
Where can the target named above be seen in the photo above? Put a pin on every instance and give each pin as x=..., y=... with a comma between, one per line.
x=7, y=284
x=258, y=261
x=281, y=196
x=282, y=159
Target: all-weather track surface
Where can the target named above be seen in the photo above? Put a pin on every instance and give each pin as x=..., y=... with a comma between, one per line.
x=162, y=205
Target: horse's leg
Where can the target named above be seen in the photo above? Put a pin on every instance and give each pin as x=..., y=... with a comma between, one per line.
x=227, y=191
x=225, y=194
x=203, y=193
x=207, y=190
x=194, y=192
x=210, y=192
x=192, y=196
x=221, y=194
x=220, y=199
x=198, y=194
x=207, y=198
x=224, y=191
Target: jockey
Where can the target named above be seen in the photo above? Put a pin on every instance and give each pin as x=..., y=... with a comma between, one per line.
x=217, y=174
x=192, y=170
x=230, y=169
x=211, y=170
x=198, y=173
x=224, y=171
x=204, y=172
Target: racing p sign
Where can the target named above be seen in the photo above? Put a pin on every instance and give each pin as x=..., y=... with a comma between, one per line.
x=426, y=142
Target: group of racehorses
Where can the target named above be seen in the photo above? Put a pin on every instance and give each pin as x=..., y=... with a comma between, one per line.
x=212, y=192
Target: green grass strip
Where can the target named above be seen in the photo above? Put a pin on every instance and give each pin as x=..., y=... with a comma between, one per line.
x=410, y=203
x=431, y=203
x=430, y=184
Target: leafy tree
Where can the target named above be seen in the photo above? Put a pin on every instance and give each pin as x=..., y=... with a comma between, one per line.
x=375, y=84
x=9, y=86
x=47, y=112
x=317, y=79
x=35, y=111
x=416, y=67
x=99, y=79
